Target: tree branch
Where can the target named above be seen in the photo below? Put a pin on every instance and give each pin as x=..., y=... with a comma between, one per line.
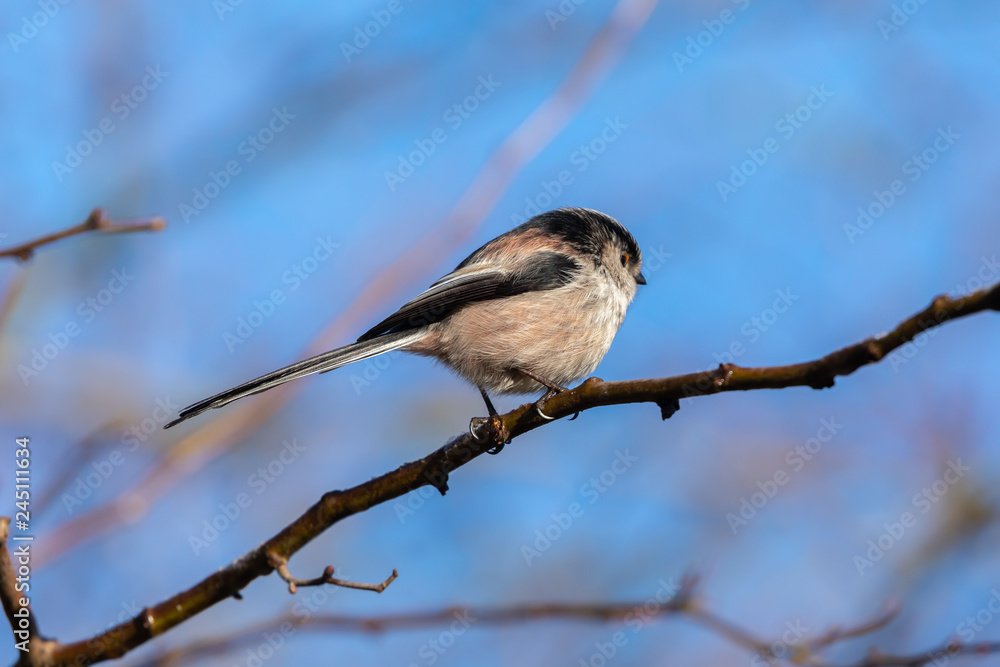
x=434, y=468
x=838, y=634
x=280, y=563
x=877, y=658
x=683, y=602
x=97, y=221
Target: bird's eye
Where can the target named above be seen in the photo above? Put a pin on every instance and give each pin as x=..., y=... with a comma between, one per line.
x=624, y=258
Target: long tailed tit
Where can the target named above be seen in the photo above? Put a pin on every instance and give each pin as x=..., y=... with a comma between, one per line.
x=534, y=309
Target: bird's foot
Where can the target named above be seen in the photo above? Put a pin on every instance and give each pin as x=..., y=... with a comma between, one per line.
x=541, y=402
x=489, y=428
x=552, y=388
x=476, y=424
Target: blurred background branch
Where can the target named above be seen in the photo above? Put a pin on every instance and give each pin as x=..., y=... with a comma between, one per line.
x=635, y=616
x=98, y=221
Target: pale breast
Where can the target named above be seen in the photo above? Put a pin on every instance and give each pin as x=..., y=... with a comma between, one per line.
x=560, y=335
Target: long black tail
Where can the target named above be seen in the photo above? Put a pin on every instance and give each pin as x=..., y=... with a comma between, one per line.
x=318, y=364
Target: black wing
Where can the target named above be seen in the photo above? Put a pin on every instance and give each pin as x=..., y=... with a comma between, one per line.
x=468, y=284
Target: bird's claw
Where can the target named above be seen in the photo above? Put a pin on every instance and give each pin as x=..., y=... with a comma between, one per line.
x=538, y=409
x=493, y=423
x=475, y=424
x=549, y=394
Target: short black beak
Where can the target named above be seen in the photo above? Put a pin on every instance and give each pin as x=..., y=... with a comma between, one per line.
x=640, y=279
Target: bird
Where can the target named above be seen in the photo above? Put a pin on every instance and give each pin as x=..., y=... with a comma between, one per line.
x=535, y=309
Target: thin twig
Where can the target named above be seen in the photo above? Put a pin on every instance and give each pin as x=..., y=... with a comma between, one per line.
x=10, y=298
x=97, y=221
x=728, y=630
x=433, y=469
x=838, y=634
x=280, y=564
x=878, y=658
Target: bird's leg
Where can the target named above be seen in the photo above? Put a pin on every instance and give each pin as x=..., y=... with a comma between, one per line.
x=553, y=389
x=478, y=422
x=489, y=403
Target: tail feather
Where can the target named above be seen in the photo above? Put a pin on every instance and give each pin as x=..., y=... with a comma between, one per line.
x=318, y=364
